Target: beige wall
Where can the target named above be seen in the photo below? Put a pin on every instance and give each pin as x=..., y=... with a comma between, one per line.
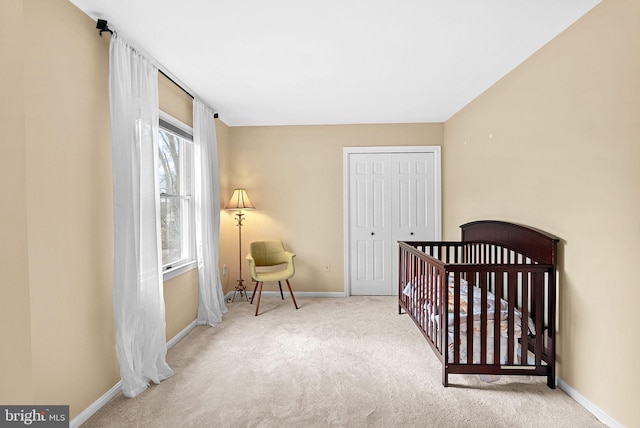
x=293, y=175
x=69, y=209
x=181, y=302
x=56, y=316
x=224, y=168
x=15, y=315
x=174, y=101
x=555, y=145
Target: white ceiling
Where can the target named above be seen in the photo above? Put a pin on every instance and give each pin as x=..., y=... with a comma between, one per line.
x=297, y=62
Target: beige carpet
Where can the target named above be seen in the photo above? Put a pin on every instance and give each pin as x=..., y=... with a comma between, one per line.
x=335, y=362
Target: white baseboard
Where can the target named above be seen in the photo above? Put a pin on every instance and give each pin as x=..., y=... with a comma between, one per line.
x=95, y=406
x=584, y=402
x=178, y=337
x=115, y=389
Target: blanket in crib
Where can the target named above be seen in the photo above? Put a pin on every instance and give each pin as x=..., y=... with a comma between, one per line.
x=473, y=294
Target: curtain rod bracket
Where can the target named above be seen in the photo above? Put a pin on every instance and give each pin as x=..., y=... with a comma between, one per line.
x=102, y=26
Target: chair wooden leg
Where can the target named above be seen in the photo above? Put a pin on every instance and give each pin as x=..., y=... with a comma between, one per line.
x=259, y=295
x=280, y=285
x=254, y=293
x=292, y=296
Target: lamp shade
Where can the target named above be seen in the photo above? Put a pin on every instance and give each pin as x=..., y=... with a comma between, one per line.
x=239, y=201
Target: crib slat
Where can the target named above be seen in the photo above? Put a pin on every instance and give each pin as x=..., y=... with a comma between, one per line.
x=443, y=309
x=539, y=317
x=497, y=358
x=524, y=343
x=421, y=284
x=415, y=277
x=434, y=300
x=470, y=289
x=513, y=278
x=456, y=319
x=431, y=297
x=551, y=322
x=483, y=318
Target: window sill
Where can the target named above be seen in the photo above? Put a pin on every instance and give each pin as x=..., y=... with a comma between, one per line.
x=179, y=270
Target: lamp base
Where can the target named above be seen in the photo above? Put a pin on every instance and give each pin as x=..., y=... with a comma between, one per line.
x=241, y=289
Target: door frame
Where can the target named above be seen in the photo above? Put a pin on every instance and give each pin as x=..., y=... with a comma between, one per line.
x=346, y=153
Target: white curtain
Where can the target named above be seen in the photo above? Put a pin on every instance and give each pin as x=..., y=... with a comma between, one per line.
x=138, y=300
x=207, y=200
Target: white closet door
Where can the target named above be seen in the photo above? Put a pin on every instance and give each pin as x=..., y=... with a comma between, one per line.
x=414, y=208
x=413, y=188
x=392, y=197
x=370, y=234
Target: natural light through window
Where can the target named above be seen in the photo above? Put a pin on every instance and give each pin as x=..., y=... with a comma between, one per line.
x=175, y=165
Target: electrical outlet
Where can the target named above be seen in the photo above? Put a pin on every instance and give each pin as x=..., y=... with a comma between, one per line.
x=327, y=267
x=224, y=269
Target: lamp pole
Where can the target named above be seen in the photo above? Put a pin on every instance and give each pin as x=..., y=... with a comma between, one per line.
x=240, y=288
x=240, y=201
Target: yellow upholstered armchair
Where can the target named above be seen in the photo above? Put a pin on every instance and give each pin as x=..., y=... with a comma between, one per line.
x=263, y=257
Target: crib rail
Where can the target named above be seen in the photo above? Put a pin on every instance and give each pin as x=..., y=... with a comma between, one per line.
x=415, y=264
x=515, y=337
x=471, y=252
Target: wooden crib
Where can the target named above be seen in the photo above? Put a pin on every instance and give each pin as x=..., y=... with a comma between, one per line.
x=499, y=281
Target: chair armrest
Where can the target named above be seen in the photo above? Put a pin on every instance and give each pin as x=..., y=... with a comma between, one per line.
x=289, y=256
x=291, y=268
x=252, y=265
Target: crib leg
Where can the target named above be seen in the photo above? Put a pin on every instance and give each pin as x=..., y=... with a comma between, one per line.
x=445, y=376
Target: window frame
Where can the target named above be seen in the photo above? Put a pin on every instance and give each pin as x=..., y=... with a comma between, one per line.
x=174, y=126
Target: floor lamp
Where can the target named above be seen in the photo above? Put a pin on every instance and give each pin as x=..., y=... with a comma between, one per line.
x=240, y=201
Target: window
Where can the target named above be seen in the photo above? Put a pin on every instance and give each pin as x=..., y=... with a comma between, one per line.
x=175, y=166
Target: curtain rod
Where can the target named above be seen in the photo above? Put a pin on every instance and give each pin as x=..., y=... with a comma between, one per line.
x=103, y=27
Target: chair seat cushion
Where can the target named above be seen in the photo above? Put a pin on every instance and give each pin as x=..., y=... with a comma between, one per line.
x=279, y=275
